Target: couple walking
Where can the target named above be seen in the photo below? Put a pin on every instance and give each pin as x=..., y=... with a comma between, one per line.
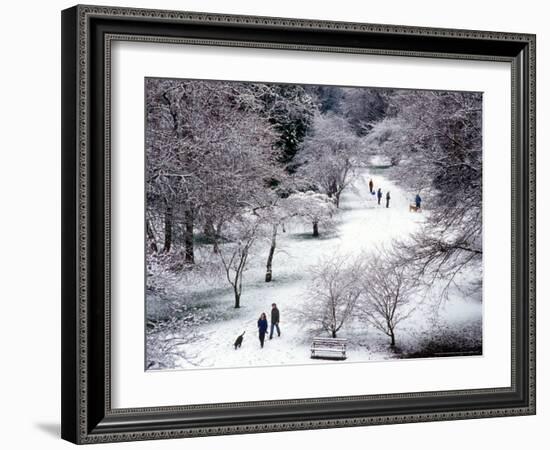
x=262, y=324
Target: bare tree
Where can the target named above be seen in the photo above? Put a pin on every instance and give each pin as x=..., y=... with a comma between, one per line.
x=332, y=294
x=165, y=350
x=441, y=252
x=234, y=255
x=208, y=151
x=311, y=207
x=328, y=155
x=434, y=140
x=314, y=208
x=275, y=216
x=387, y=294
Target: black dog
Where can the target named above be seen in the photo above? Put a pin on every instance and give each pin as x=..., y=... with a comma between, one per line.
x=239, y=341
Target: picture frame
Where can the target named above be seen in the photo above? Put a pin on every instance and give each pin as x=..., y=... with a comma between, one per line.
x=87, y=413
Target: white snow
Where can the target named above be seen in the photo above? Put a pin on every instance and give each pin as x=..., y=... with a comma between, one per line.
x=363, y=225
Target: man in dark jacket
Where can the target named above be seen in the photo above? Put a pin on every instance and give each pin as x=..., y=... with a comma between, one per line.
x=417, y=201
x=388, y=199
x=274, y=320
x=379, y=195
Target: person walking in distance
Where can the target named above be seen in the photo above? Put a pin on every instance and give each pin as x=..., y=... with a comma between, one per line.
x=388, y=199
x=371, y=185
x=417, y=201
x=274, y=320
x=379, y=195
x=262, y=328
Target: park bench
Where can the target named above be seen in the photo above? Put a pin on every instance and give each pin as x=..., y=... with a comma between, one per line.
x=329, y=348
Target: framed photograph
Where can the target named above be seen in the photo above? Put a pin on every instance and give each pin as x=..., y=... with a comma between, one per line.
x=280, y=224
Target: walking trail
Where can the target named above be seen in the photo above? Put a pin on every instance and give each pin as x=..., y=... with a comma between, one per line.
x=363, y=225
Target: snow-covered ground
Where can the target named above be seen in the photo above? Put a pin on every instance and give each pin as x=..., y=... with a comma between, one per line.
x=363, y=225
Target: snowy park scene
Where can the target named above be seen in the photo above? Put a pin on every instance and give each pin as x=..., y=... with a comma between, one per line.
x=295, y=224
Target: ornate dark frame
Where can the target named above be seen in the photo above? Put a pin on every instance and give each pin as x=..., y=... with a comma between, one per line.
x=87, y=33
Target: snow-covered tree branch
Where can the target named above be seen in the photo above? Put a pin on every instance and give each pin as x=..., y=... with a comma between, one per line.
x=387, y=294
x=332, y=293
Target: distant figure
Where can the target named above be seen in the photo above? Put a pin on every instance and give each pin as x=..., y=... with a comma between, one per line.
x=417, y=201
x=371, y=186
x=379, y=195
x=262, y=328
x=388, y=199
x=274, y=320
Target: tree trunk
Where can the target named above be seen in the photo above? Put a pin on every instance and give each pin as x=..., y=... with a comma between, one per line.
x=337, y=199
x=211, y=235
x=209, y=230
x=392, y=336
x=333, y=188
x=269, y=265
x=333, y=333
x=315, y=229
x=237, y=298
x=167, y=228
x=217, y=234
x=189, y=248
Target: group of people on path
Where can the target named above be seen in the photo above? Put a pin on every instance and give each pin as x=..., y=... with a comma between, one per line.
x=379, y=193
x=263, y=325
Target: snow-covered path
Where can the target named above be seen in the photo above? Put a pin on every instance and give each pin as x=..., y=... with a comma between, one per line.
x=363, y=225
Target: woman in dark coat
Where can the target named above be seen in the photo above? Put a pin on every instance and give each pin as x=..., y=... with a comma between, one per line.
x=262, y=328
x=388, y=199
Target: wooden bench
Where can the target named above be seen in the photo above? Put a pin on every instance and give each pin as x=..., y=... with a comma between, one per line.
x=329, y=348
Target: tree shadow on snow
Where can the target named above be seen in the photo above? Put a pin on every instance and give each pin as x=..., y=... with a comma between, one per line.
x=310, y=237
